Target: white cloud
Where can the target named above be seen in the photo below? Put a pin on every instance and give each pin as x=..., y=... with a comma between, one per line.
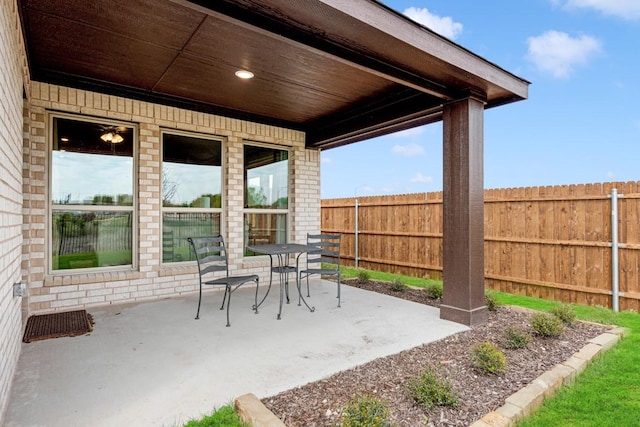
x=443, y=25
x=422, y=179
x=325, y=159
x=625, y=9
x=409, y=150
x=558, y=53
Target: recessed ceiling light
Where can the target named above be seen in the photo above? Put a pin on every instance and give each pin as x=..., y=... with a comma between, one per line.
x=244, y=74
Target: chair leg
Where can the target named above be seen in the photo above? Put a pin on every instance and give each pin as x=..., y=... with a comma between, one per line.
x=199, y=301
x=227, y=293
x=226, y=290
x=286, y=286
x=299, y=284
x=338, y=289
x=255, y=305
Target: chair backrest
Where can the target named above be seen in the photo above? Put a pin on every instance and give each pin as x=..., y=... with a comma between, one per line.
x=210, y=253
x=328, y=249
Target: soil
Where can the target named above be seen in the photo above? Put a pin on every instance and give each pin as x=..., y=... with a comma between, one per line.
x=318, y=404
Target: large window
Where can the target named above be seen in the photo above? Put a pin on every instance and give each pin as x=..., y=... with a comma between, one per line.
x=191, y=191
x=266, y=195
x=92, y=194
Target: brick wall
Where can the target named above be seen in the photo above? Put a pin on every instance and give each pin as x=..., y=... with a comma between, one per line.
x=11, y=128
x=151, y=279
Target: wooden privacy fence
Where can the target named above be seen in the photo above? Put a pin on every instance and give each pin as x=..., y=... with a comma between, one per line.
x=548, y=242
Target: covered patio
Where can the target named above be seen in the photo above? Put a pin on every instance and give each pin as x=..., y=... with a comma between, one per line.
x=152, y=364
x=161, y=77
x=314, y=77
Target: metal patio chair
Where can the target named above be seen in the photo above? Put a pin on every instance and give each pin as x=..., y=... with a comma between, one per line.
x=211, y=255
x=324, y=259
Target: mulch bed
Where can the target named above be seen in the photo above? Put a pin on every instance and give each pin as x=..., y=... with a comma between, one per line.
x=319, y=404
x=55, y=325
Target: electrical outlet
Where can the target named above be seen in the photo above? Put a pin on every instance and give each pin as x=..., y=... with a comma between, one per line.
x=20, y=289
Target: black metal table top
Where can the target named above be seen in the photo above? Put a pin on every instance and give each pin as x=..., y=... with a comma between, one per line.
x=279, y=248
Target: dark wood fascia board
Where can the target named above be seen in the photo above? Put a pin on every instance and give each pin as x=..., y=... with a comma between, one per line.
x=420, y=118
x=503, y=101
x=400, y=110
x=109, y=88
x=397, y=101
x=390, y=21
x=397, y=111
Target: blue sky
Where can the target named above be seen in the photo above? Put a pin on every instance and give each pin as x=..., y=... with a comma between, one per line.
x=581, y=123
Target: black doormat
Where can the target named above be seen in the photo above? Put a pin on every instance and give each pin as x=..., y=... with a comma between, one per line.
x=54, y=325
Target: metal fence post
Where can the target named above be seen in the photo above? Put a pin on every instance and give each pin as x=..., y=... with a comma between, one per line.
x=615, y=285
x=356, y=233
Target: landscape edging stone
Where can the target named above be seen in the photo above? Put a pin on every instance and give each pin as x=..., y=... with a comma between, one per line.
x=527, y=400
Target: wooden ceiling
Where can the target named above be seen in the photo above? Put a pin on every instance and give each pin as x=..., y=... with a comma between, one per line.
x=340, y=71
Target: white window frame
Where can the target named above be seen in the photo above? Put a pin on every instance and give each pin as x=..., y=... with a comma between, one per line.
x=287, y=211
x=51, y=207
x=164, y=209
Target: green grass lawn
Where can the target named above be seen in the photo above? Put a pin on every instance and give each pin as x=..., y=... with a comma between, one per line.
x=606, y=394
x=351, y=273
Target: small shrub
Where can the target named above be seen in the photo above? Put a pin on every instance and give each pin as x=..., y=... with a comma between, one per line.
x=434, y=291
x=488, y=358
x=365, y=411
x=224, y=416
x=546, y=324
x=565, y=313
x=430, y=390
x=491, y=301
x=363, y=276
x=516, y=338
x=398, y=286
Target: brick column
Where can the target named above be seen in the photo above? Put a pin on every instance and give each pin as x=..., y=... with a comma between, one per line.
x=304, y=185
x=463, y=244
x=234, y=202
x=149, y=187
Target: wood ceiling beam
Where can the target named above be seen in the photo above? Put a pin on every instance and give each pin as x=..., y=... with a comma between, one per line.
x=397, y=111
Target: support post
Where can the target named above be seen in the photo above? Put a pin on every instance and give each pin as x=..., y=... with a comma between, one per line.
x=463, y=210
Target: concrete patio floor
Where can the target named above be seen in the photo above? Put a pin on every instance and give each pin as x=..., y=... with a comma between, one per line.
x=152, y=364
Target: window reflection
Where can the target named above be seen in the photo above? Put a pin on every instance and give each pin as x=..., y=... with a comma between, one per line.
x=91, y=239
x=266, y=172
x=265, y=228
x=266, y=178
x=87, y=170
x=191, y=192
x=91, y=165
x=191, y=171
x=177, y=226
